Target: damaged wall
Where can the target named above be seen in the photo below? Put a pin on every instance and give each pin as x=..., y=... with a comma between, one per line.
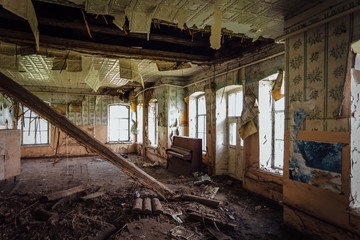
x=261, y=182
x=317, y=66
x=88, y=112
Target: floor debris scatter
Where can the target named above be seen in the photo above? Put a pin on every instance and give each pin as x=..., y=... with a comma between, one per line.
x=88, y=198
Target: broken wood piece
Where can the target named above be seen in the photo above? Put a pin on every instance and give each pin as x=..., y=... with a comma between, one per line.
x=202, y=200
x=43, y=215
x=104, y=234
x=218, y=235
x=211, y=220
x=22, y=95
x=98, y=193
x=138, y=205
x=147, y=206
x=156, y=206
x=65, y=193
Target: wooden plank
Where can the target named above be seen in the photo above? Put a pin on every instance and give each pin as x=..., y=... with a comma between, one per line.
x=109, y=50
x=202, y=200
x=138, y=205
x=66, y=192
x=19, y=93
x=211, y=220
x=147, y=206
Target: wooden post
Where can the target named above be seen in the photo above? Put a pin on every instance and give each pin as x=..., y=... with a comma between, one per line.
x=19, y=93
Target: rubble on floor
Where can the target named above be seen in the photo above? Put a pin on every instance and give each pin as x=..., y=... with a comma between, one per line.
x=94, y=201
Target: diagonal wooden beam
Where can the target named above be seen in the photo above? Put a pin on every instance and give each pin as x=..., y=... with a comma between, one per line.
x=19, y=93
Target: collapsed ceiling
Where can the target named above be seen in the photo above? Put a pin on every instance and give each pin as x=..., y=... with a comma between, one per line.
x=110, y=43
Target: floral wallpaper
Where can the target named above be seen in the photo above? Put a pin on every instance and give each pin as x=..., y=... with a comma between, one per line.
x=316, y=61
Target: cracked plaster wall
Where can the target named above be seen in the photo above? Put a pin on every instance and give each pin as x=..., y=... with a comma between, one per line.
x=92, y=118
x=317, y=66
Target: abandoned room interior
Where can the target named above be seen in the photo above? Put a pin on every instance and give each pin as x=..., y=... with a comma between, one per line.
x=184, y=119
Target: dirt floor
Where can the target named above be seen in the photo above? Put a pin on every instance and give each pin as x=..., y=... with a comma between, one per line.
x=29, y=208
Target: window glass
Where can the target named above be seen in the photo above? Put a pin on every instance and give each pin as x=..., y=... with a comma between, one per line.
x=232, y=134
x=139, y=114
x=118, y=123
x=152, y=123
x=34, y=129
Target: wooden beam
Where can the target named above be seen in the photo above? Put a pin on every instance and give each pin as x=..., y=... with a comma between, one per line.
x=16, y=91
x=108, y=29
x=107, y=50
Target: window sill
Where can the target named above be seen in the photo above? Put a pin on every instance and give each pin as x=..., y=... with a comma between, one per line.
x=354, y=211
x=124, y=142
x=152, y=146
x=35, y=145
x=271, y=171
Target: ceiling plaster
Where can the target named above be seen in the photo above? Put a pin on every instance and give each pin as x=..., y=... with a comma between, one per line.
x=95, y=71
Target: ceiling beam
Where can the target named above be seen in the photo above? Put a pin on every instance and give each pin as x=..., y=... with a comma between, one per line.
x=107, y=50
x=108, y=29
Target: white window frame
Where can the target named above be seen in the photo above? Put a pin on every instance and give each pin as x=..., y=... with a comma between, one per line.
x=153, y=113
x=33, y=117
x=109, y=127
x=264, y=162
x=232, y=117
x=197, y=122
x=140, y=122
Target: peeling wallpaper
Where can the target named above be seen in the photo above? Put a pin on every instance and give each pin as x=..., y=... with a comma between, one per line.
x=93, y=108
x=316, y=66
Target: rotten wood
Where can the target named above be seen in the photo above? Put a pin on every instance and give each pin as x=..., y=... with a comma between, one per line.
x=156, y=206
x=19, y=93
x=104, y=234
x=98, y=193
x=147, y=206
x=211, y=221
x=65, y=193
x=202, y=200
x=138, y=205
x=107, y=50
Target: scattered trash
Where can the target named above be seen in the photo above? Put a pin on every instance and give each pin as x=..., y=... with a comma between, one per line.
x=154, y=164
x=231, y=217
x=257, y=208
x=205, y=179
x=229, y=182
x=175, y=216
x=181, y=232
x=137, y=194
x=218, y=235
x=210, y=191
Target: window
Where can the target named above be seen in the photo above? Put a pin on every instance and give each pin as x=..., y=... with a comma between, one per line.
x=153, y=123
x=201, y=120
x=34, y=129
x=118, y=123
x=271, y=127
x=232, y=134
x=235, y=104
x=235, y=107
x=139, y=114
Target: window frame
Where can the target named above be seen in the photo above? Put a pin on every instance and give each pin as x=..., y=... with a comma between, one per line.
x=271, y=167
x=155, y=116
x=232, y=119
x=140, y=127
x=109, y=118
x=22, y=122
x=197, y=121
